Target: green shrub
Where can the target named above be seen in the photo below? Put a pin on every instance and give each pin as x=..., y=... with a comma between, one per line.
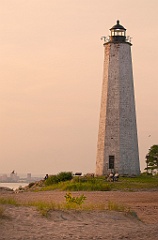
x=77, y=200
x=64, y=176
x=52, y=179
x=60, y=177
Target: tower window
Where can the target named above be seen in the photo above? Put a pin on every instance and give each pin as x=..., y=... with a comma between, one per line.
x=111, y=162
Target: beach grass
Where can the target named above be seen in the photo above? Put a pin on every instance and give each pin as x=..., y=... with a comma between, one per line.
x=9, y=201
x=70, y=203
x=113, y=206
x=77, y=203
x=44, y=207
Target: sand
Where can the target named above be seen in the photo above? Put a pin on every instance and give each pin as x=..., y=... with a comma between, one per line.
x=27, y=223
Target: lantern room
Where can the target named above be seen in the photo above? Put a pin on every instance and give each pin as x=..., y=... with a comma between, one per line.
x=118, y=33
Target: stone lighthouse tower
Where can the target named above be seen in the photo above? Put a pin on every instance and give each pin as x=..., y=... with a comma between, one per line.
x=117, y=148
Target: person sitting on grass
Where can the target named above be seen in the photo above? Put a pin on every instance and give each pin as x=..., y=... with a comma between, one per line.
x=46, y=177
x=116, y=177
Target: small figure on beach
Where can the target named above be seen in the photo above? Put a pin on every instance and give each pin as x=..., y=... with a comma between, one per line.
x=46, y=177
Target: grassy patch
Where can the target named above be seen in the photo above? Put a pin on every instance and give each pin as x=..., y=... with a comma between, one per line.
x=142, y=182
x=79, y=186
x=118, y=207
x=87, y=186
x=10, y=201
x=112, y=206
x=71, y=203
x=47, y=188
x=43, y=207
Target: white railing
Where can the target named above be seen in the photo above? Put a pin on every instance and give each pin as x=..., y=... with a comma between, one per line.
x=105, y=39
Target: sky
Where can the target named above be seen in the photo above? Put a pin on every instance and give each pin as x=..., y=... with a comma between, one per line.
x=51, y=70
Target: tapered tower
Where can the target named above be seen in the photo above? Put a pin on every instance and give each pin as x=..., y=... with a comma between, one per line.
x=117, y=148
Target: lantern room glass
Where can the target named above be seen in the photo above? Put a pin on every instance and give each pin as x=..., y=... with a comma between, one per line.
x=117, y=32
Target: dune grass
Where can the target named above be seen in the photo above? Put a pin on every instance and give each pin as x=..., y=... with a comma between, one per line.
x=112, y=206
x=9, y=201
x=71, y=203
x=45, y=208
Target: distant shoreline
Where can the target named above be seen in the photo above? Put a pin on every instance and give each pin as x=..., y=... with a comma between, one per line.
x=13, y=185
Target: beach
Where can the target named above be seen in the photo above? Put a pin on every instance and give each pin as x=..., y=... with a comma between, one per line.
x=23, y=222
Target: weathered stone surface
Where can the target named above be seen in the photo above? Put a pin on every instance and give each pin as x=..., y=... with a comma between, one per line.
x=117, y=128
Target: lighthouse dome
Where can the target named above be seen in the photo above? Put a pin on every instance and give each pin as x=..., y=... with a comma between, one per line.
x=118, y=26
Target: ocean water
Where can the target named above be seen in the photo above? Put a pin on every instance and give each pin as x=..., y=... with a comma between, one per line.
x=13, y=186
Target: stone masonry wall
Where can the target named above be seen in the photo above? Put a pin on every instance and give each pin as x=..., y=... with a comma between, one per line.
x=117, y=128
x=101, y=134
x=129, y=157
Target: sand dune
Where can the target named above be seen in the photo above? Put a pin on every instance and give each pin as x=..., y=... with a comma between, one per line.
x=27, y=223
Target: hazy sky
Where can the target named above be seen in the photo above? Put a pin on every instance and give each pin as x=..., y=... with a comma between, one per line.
x=51, y=69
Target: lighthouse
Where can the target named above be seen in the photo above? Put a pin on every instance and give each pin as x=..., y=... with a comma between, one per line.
x=117, y=148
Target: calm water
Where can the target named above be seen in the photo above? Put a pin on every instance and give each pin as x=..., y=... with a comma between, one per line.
x=13, y=185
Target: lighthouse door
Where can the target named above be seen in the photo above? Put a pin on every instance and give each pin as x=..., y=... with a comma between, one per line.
x=111, y=162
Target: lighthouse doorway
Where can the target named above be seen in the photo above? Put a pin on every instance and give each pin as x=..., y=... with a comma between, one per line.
x=111, y=162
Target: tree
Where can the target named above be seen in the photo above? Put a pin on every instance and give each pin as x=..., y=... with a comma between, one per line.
x=152, y=159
